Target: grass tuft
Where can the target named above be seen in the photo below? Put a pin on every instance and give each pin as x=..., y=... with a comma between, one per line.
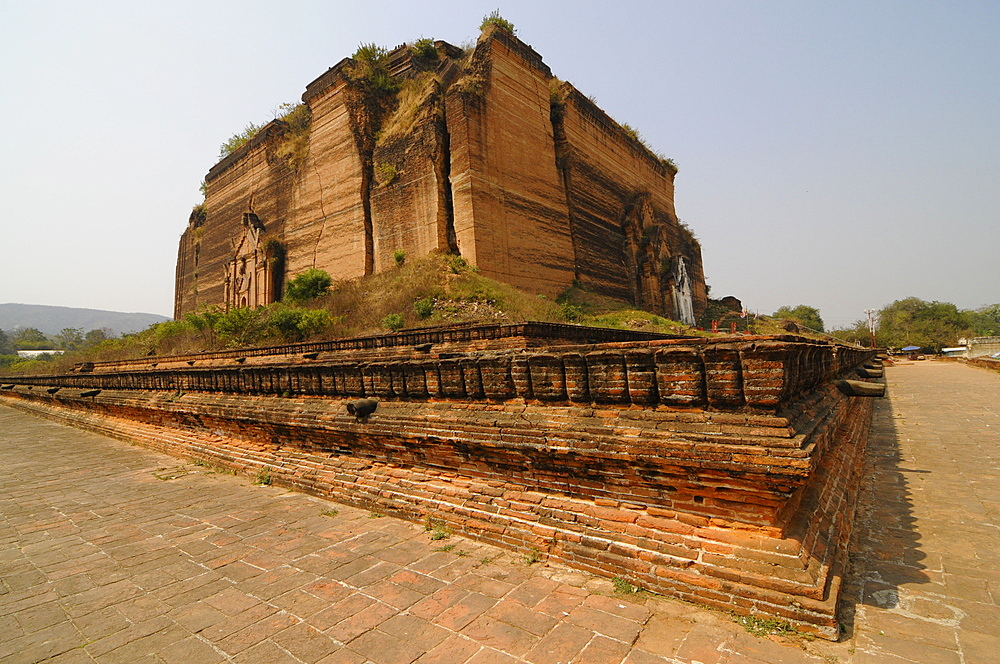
x=759, y=626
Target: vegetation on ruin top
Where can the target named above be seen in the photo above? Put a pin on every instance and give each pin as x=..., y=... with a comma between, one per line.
x=295, y=144
x=494, y=19
x=371, y=67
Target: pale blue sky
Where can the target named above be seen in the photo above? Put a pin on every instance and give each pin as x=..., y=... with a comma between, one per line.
x=836, y=154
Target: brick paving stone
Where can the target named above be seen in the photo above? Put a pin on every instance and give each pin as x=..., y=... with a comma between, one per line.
x=499, y=635
x=191, y=650
x=356, y=624
x=41, y=616
x=343, y=656
x=230, y=601
x=484, y=585
x=381, y=648
x=415, y=631
x=305, y=642
x=705, y=643
x=249, y=636
x=456, y=649
x=232, y=624
x=562, y=644
x=75, y=656
x=602, y=650
x=466, y=609
x=490, y=656
x=42, y=644
x=624, y=608
x=197, y=616
x=300, y=603
x=133, y=632
x=265, y=652
x=520, y=616
x=100, y=623
x=532, y=591
x=616, y=627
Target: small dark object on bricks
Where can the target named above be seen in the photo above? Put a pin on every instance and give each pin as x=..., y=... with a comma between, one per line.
x=860, y=388
x=362, y=407
x=310, y=356
x=53, y=390
x=9, y=386
x=423, y=348
x=90, y=393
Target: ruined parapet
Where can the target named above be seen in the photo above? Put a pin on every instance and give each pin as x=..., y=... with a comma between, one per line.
x=723, y=472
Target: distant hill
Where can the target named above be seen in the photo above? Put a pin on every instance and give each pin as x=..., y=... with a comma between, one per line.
x=52, y=320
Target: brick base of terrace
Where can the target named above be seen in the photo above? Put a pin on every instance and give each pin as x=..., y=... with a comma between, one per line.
x=724, y=473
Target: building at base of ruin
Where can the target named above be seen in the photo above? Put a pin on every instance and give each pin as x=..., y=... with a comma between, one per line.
x=481, y=153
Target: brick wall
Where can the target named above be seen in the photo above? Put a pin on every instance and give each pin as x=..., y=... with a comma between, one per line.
x=577, y=452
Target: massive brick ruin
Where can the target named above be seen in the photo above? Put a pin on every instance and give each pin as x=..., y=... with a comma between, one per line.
x=485, y=154
x=722, y=471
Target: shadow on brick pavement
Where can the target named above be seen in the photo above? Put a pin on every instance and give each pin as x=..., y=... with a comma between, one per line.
x=113, y=553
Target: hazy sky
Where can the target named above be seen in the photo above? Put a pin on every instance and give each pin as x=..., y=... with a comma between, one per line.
x=837, y=154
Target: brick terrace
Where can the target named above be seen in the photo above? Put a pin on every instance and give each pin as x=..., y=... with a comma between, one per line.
x=113, y=553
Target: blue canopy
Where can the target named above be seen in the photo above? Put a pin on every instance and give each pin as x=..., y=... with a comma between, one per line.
x=911, y=348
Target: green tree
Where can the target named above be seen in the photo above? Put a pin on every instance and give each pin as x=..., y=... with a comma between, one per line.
x=856, y=334
x=7, y=346
x=986, y=320
x=309, y=285
x=31, y=338
x=804, y=314
x=71, y=338
x=96, y=336
x=930, y=325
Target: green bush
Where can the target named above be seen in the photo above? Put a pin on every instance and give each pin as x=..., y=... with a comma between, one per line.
x=424, y=49
x=370, y=66
x=394, y=322
x=494, y=18
x=307, y=286
x=385, y=173
x=238, y=140
x=458, y=265
x=400, y=257
x=424, y=307
x=244, y=326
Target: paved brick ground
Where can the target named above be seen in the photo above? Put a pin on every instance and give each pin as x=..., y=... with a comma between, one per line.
x=112, y=553
x=926, y=575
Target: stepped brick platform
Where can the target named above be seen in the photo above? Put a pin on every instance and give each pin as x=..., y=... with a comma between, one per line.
x=721, y=471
